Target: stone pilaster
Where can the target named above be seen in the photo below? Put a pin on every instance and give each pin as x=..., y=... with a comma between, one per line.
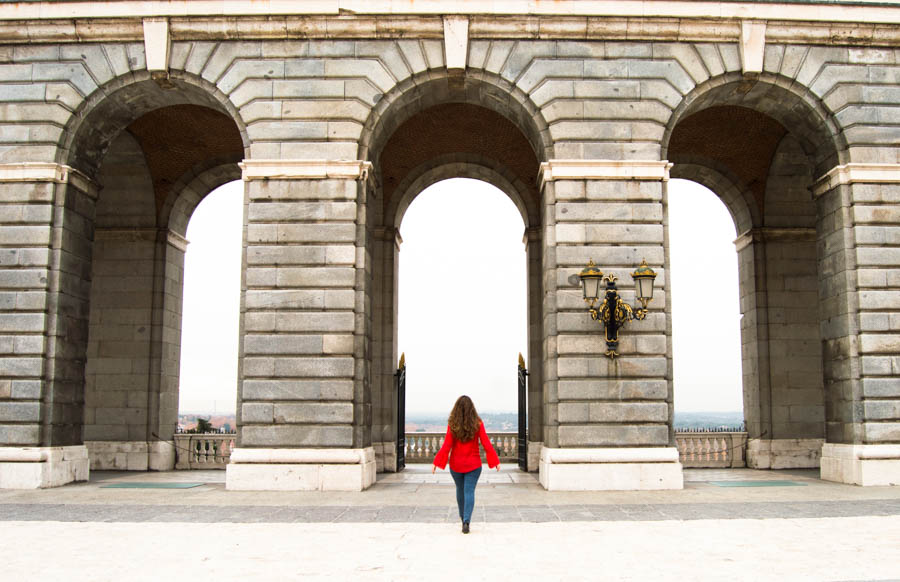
x=302, y=372
x=859, y=287
x=612, y=425
x=47, y=235
x=781, y=350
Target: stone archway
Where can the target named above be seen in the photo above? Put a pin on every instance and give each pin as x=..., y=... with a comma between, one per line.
x=454, y=127
x=154, y=154
x=760, y=147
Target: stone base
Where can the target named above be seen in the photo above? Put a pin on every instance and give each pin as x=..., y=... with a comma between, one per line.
x=41, y=467
x=385, y=457
x=300, y=469
x=620, y=469
x=534, y=456
x=866, y=465
x=131, y=455
x=784, y=453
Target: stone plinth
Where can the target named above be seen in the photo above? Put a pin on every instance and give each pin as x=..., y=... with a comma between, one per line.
x=866, y=465
x=40, y=467
x=300, y=469
x=784, y=453
x=610, y=469
x=131, y=455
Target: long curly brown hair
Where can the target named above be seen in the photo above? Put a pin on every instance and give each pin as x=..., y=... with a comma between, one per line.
x=464, y=420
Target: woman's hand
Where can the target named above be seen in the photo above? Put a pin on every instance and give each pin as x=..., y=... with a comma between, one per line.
x=433, y=467
x=498, y=467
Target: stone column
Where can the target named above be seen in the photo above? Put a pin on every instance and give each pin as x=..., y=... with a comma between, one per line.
x=858, y=230
x=781, y=349
x=386, y=247
x=533, y=253
x=45, y=261
x=612, y=427
x=303, y=398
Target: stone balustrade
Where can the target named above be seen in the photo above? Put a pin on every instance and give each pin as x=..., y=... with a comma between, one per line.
x=203, y=451
x=422, y=446
x=695, y=449
x=711, y=449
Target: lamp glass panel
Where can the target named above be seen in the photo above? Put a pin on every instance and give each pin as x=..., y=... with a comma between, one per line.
x=591, y=286
x=645, y=288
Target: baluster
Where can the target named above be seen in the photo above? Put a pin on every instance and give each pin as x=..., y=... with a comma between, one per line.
x=689, y=448
x=707, y=449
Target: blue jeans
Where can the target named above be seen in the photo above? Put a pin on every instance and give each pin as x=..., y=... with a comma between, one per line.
x=465, y=491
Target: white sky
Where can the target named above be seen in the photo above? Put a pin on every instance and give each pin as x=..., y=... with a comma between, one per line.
x=462, y=296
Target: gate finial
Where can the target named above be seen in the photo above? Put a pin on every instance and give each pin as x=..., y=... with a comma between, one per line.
x=402, y=363
x=521, y=361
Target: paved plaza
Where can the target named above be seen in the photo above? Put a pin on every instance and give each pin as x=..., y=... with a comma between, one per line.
x=726, y=524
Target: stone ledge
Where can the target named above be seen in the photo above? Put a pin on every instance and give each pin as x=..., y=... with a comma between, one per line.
x=603, y=170
x=300, y=469
x=853, y=173
x=305, y=169
x=47, y=172
x=625, y=469
x=865, y=465
x=42, y=467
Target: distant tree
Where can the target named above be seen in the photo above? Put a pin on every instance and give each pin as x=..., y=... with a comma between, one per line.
x=203, y=425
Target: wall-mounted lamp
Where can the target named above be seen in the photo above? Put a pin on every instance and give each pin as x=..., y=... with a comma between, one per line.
x=614, y=313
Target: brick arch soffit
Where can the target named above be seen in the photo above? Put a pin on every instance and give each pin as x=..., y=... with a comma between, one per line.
x=740, y=203
x=190, y=191
x=437, y=87
x=779, y=105
x=453, y=167
x=125, y=101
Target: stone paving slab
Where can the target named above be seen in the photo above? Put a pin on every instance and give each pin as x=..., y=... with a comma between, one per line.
x=838, y=549
x=119, y=513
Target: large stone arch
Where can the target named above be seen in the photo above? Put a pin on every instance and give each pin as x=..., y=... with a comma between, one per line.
x=153, y=151
x=426, y=130
x=763, y=141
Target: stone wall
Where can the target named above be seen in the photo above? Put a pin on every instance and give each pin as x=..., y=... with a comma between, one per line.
x=316, y=98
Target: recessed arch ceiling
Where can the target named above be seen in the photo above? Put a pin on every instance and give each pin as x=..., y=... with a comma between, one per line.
x=740, y=139
x=456, y=128
x=177, y=138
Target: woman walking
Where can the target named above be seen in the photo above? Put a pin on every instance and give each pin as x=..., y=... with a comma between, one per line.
x=461, y=445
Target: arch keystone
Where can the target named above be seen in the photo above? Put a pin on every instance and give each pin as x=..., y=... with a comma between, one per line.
x=456, y=42
x=156, y=44
x=753, y=45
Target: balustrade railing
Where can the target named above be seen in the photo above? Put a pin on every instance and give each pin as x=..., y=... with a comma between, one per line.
x=203, y=451
x=695, y=449
x=422, y=446
x=711, y=449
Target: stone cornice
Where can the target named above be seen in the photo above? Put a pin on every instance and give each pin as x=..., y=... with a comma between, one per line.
x=123, y=21
x=603, y=170
x=305, y=169
x=860, y=11
x=47, y=172
x=855, y=172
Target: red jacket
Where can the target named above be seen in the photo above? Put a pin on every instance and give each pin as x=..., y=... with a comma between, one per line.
x=464, y=456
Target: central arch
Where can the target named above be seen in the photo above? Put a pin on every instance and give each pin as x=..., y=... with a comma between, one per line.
x=425, y=131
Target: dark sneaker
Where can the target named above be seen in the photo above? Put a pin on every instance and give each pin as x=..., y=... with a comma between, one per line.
x=465, y=527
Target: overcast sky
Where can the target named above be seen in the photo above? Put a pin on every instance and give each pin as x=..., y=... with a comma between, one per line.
x=462, y=299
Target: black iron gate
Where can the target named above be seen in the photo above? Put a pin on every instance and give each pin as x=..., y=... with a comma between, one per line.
x=523, y=416
x=400, y=377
